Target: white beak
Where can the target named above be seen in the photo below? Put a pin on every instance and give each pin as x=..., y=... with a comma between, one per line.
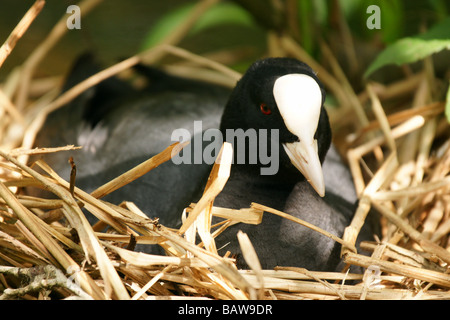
x=299, y=99
x=306, y=159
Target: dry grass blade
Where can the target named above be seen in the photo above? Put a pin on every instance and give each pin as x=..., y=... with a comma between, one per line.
x=38, y=151
x=304, y=223
x=319, y=291
x=53, y=247
x=219, y=264
x=179, y=52
x=150, y=284
x=7, y=239
x=430, y=110
x=438, y=278
x=184, y=27
x=92, y=247
x=10, y=108
x=139, y=170
x=40, y=52
x=20, y=29
x=319, y=280
x=382, y=119
x=414, y=191
x=250, y=256
x=94, y=205
x=144, y=260
x=353, y=100
x=216, y=181
x=426, y=244
x=79, y=221
x=352, y=231
x=244, y=215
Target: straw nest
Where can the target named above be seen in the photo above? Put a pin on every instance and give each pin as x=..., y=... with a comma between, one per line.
x=400, y=161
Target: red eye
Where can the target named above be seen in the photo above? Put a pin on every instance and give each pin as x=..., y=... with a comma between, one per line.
x=265, y=109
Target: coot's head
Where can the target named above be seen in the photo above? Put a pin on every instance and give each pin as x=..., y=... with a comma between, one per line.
x=284, y=94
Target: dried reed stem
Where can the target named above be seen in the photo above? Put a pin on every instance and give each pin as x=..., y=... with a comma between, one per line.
x=41, y=51
x=305, y=224
x=139, y=170
x=73, y=213
x=53, y=247
x=20, y=30
x=403, y=225
x=216, y=181
x=345, y=85
x=438, y=278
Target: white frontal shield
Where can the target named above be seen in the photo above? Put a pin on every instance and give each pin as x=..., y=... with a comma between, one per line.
x=299, y=100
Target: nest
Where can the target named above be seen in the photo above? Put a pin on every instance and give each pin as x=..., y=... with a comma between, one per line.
x=400, y=163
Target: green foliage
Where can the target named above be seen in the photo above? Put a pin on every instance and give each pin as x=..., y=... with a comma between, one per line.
x=165, y=26
x=412, y=49
x=439, y=8
x=222, y=13
x=406, y=51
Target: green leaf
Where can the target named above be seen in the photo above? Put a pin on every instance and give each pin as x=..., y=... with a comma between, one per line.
x=166, y=25
x=412, y=49
x=222, y=13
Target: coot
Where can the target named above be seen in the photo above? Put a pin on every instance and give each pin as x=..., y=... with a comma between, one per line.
x=276, y=109
x=285, y=95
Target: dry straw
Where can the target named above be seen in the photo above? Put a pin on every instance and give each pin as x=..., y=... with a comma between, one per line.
x=399, y=167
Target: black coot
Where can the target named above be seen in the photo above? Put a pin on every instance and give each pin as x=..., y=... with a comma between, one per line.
x=286, y=95
x=276, y=108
